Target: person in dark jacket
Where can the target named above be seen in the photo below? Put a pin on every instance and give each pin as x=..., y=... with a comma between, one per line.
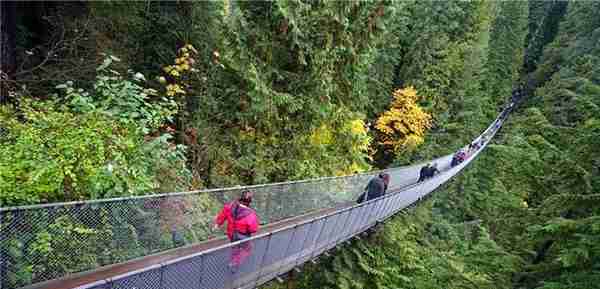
x=432, y=170
x=455, y=160
x=462, y=155
x=498, y=124
x=386, y=182
x=423, y=173
x=481, y=142
x=458, y=157
x=376, y=188
x=504, y=113
x=473, y=147
x=515, y=95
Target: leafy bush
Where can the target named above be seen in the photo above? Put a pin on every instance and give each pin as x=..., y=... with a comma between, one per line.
x=95, y=146
x=122, y=99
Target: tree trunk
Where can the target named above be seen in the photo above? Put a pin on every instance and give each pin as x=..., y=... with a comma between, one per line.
x=8, y=47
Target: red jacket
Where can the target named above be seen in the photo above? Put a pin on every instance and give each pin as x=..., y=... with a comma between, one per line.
x=246, y=222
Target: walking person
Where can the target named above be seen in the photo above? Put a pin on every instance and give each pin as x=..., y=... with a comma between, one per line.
x=463, y=154
x=386, y=182
x=242, y=223
x=432, y=171
x=423, y=173
x=455, y=160
x=376, y=188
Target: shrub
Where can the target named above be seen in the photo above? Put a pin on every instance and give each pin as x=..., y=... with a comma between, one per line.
x=92, y=145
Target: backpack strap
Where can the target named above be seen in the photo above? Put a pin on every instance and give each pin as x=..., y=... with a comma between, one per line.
x=234, y=211
x=368, y=188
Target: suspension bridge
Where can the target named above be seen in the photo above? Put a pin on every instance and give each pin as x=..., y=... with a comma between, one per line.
x=121, y=243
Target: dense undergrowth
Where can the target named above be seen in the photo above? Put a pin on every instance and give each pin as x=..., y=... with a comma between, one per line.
x=252, y=92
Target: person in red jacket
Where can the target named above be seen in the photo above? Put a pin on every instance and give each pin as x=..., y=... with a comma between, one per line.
x=242, y=222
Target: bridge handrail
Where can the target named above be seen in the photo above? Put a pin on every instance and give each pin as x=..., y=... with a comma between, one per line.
x=255, y=273
x=13, y=219
x=202, y=191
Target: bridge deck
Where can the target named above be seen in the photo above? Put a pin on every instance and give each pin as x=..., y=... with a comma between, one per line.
x=278, y=248
x=107, y=272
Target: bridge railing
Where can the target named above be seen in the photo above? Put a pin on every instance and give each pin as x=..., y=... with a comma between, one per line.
x=252, y=262
x=44, y=242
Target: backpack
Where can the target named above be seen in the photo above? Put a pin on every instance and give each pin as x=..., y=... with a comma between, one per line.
x=237, y=236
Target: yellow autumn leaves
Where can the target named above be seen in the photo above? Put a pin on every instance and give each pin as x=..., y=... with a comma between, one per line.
x=173, y=89
x=348, y=137
x=183, y=63
x=401, y=129
x=403, y=125
x=323, y=135
x=356, y=129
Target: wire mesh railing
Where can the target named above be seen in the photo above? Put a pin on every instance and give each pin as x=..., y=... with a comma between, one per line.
x=255, y=261
x=40, y=243
x=45, y=242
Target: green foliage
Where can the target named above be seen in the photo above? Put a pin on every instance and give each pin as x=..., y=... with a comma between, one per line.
x=280, y=72
x=286, y=90
x=416, y=251
x=433, y=38
x=442, y=54
x=544, y=19
x=54, y=248
x=60, y=155
x=506, y=52
x=93, y=147
x=121, y=99
x=570, y=212
x=157, y=26
x=536, y=190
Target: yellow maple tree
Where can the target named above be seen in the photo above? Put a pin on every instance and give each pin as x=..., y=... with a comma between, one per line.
x=403, y=126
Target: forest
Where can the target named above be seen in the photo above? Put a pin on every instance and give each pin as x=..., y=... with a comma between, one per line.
x=121, y=98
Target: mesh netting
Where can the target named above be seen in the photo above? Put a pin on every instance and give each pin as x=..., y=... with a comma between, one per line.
x=40, y=243
x=264, y=257
x=46, y=242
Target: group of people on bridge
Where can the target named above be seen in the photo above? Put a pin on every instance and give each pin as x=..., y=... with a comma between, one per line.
x=243, y=222
x=464, y=153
